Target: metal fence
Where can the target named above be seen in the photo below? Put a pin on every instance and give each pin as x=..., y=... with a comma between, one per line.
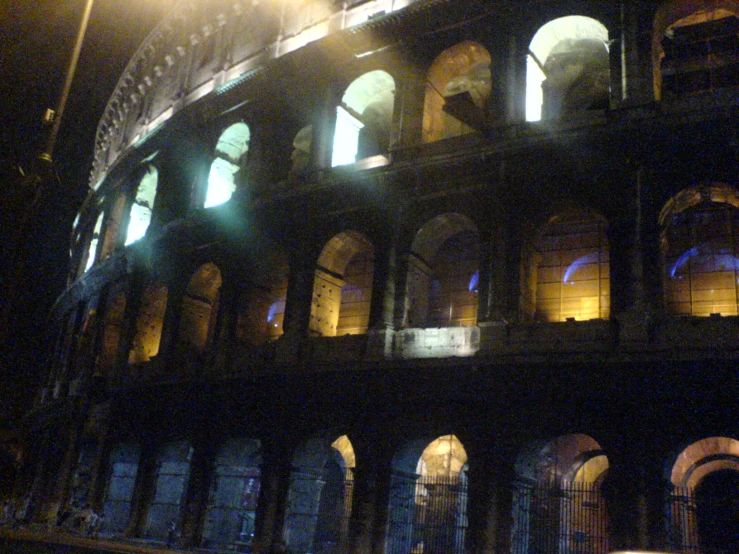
x=428, y=515
x=568, y=518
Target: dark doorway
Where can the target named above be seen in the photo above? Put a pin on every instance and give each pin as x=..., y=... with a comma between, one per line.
x=717, y=506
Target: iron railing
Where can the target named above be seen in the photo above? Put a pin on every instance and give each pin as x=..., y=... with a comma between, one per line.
x=567, y=518
x=428, y=515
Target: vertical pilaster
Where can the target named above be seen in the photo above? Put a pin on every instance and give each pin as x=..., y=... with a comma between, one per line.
x=272, y=505
x=489, y=505
x=196, y=502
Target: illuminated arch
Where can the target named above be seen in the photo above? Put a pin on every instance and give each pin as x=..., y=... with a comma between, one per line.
x=427, y=509
x=261, y=298
x=123, y=468
x=320, y=495
x=673, y=19
x=572, y=272
x=234, y=493
x=199, y=308
x=149, y=323
x=92, y=249
x=568, y=68
x=169, y=488
x=557, y=502
x=230, y=150
x=700, y=255
x=342, y=288
x=705, y=480
x=143, y=204
x=462, y=69
x=364, y=117
x=442, y=272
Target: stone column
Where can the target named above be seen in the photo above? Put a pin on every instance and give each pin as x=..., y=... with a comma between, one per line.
x=637, y=75
x=409, y=104
x=636, y=319
x=515, y=77
x=369, y=500
x=489, y=504
x=324, y=125
x=273, y=491
x=144, y=488
x=297, y=309
x=198, y=488
x=634, y=494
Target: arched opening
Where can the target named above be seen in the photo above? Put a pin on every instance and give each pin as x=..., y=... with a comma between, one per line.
x=572, y=269
x=567, y=68
x=694, y=47
x=200, y=308
x=700, y=230
x=123, y=469
x=460, y=76
x=320, y=497
x=143, y=204
x=363, y=118
x=300, y=157
x=558, y=506
x=428, y=498
x=149, y=322
x=94, y=240
x=232, y=503
x=342, y=288
x=111, y=235
x=443, y=273
x=113, y=320
x=170, y=480
x=703, y=510
x=261, y=303
x=717, y=511
x=231, y=148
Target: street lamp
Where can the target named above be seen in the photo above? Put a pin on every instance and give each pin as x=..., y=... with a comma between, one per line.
x=54, y=117
x=34, y=185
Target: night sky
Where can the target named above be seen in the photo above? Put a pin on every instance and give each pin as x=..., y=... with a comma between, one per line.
x=36, y=41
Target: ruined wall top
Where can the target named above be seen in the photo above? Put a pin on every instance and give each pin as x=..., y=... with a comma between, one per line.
x=201, y=47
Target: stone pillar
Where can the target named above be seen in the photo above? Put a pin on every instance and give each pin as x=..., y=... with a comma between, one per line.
x=637, y=75
x=369, y=504
x=630, y=500
x=198, y=488
x=145, y=481
x=297, y=309
x=272, y=505
x=489, y=505
x=66, y=468
x=324, y=125
x=218, y=359
x=380, y=328
x=636, y=319
x=409, y=105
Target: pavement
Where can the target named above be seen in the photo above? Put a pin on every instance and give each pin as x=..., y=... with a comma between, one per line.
x=41, y=541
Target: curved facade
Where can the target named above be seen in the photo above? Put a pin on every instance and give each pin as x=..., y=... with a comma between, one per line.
x=344, y=283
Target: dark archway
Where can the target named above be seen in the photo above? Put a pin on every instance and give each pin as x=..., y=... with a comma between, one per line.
x=717, y=508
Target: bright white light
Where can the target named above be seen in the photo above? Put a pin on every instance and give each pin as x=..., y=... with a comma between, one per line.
x=534, y=95
x=140, y=216
x=94, y=242
x=138, y=223
x=346, y=138
x=221, y=185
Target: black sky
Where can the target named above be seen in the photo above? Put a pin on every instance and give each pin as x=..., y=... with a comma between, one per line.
x=36, y=41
